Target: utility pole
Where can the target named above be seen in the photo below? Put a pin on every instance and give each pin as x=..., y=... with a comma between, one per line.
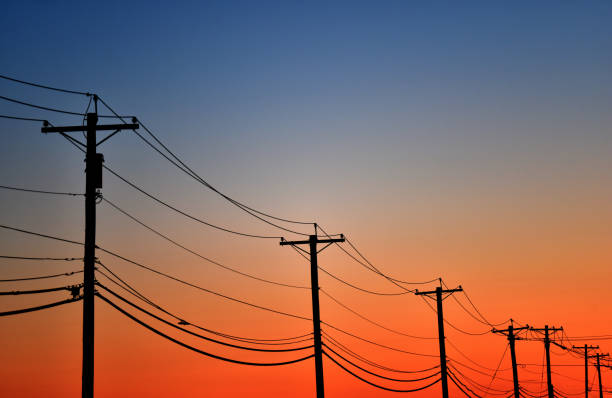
x=314, y=287
x=443, y=371
x=586, y=366
x=93, y=182
x=546, y=331
x=511, y=339
x=598, y=356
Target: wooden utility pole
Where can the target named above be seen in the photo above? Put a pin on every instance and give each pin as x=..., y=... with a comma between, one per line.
x=314, y=287
x=511, y=339
x=93, y=182
x=546, y=330
x=443, y=370
x=598, y=356
x=586, y=366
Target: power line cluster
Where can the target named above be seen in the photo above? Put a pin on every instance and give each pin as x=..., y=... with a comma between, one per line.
x=324, y=342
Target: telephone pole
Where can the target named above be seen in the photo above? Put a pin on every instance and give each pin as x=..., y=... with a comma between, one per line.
x=443, y=371
x=314, y=287
x=586, y=366
x=546, y=331
x=93, y=182
x=511, y=339
x=598, y=355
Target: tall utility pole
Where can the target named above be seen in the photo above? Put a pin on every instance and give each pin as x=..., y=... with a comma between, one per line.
x=314, y=287
x=586, y=366
x=546, y=331
x=598, y=355
x=93, y=182
x=511, y=339
x=443, y=371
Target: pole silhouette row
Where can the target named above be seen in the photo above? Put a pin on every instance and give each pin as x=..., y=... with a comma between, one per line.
x=93, y=185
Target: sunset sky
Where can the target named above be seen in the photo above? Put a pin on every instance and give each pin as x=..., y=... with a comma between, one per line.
x=469, y=141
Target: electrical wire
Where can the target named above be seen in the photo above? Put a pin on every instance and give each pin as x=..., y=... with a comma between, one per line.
x=353, y=354
x=162, y=274
x=32, y=278
x=37, y=291
x=41, y=235
x=199, y=335
x=377, y=344
x=373, y=384
x=148, y=268
x=376, y=374
x=459, y=385
x=43, y=258
x=131, y=184
x=196, y=253
x=39, y=191
x=453, y=326
x=371, y=321
x=186, y=169
x=278, y=341
x=450, y=343
x=360, y=288
x=189, y=347
x=40, y=307
x=45, y=108
x=63, y=90
x=28, y=119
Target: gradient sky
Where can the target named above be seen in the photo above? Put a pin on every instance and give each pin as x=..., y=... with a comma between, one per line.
x=470, y=142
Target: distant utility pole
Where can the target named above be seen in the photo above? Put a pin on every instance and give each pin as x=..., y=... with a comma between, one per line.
x=546, y=331
x=511, y=338
x=586, y=366
x=314, y=287
x=443, y=371
x=598, y=355
x=93, y=182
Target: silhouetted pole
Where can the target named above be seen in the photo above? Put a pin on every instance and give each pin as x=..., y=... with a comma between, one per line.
x=443, y=370
x=316, y=318
x=546, y=330
x=599, y=373
x=93, y=182
x=586, y=367
x=89, y=257
x=511, y=339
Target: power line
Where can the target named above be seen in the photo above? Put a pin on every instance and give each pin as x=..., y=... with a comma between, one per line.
x=376, y=374
x=162, y=274
x=372, y=322
x=45, y=108
x=352, y=353
x=39, y=291
x=28, y=119
x=199, y=335
x=32, y=278
x=63, y=90
x=484, y=320
x=198, y=254
x=249, y=340
x=360, y=288
x=159, y=333
x=453, y=326
x=375, y=343
x=373, y=384
x=41, y=235
x=40, y=307
x=186, y=169
x=39, y=191
x=460, y=384
x=43, y=258
x=248, y=235
x=148, y=268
